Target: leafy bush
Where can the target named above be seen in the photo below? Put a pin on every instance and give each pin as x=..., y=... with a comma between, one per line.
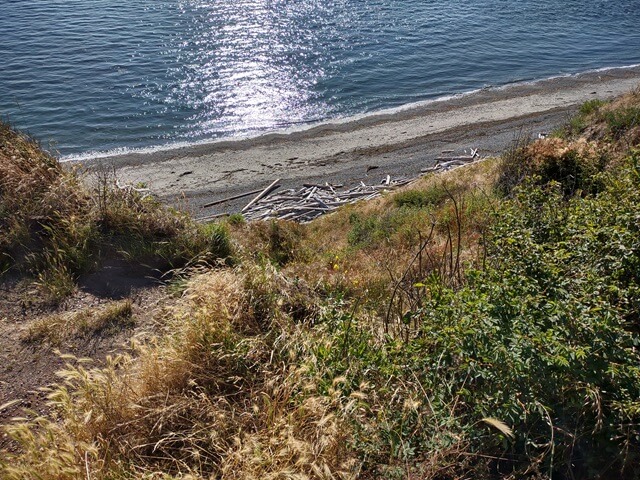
x=533, y=363
x=546, y=337
x=434, y=195
x=514, y=166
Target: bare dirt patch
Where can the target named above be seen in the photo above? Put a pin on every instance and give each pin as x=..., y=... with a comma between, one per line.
x=33, y=334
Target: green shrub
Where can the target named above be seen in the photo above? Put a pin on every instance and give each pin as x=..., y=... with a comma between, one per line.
x=364, y=231
x=591, y=106
x=587, y=113
x=545, y=338
x=573, y=170
x=218, y=240
x=236, y=219
x=433, y=195
x=533, y=363
x=621, y=120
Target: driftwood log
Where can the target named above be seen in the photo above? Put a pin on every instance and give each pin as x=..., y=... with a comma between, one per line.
x=444, y=163
x=262, y=194
x=234, y=197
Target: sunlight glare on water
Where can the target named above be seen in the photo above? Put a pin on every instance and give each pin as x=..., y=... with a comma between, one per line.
x=249, y=71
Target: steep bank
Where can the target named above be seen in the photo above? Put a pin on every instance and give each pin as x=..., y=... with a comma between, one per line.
x=480, y=324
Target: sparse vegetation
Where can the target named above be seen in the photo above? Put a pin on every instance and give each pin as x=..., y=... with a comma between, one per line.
x=578, y=124
x=617, y=122
x=575, y=165
x=483, y=324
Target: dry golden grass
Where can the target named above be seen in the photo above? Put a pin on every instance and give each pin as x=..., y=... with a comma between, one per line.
x=26, y=172
x=540, y=151
x=53, y=226
x=34, y=192
x=54, y=329
x=211, y=398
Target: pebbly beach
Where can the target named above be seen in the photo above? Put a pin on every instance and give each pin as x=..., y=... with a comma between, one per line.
x=399, y=142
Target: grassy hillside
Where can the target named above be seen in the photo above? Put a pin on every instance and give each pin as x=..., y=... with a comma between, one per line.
x=54, y=228
x=479, y=324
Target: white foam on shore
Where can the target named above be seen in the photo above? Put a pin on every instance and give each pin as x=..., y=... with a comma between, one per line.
x=94, y=155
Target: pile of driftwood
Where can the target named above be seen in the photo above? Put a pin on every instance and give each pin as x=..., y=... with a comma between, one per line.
x=312, y=200
x=448, y=162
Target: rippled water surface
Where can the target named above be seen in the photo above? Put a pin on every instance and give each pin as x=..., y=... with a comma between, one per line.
x=97, y=75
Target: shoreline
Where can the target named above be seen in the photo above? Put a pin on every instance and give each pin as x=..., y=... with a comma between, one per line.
x=354, y=120
x=401, y=141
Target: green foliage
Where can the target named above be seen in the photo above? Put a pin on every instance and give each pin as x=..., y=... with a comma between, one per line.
x=621, y=120
x=434, y=195
x=617, y=118
x=573, y=170
x=397, y=226
x=591, y=106
x=399, y=410
x=236, y=219
x=587, y=112
x=219, y=242
x=364, y=230
x=208, y=242
x=282, y=241
x=546, y=338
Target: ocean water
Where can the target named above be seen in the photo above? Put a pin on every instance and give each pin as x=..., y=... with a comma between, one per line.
x=88, y=76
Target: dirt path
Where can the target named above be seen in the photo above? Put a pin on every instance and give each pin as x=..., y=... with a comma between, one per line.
x=28, y=364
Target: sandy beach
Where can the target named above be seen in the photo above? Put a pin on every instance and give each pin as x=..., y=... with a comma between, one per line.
x=397, y=143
